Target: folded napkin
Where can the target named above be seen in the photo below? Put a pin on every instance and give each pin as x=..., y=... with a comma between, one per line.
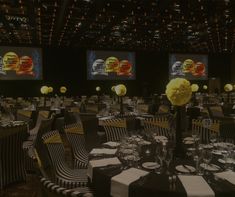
x=100, y=163
x=120, y=183
x=106, y=151
x=112, y=144
x=196, y=186
x=227, y=175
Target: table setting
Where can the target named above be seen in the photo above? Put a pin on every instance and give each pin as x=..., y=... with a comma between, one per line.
x=148, y=167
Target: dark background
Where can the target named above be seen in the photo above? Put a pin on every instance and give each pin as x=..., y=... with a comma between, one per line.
x=67, y=66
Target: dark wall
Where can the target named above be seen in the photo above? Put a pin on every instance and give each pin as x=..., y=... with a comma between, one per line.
x=68, y=67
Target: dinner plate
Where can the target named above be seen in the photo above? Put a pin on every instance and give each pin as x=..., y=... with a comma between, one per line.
x=210, y=167
x=219, y=152
x=229, y=161
x=185, y=168
x=188, y=142
x=150, y=165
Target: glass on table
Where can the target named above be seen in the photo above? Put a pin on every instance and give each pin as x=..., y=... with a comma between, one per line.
x=213, y=137
x=168, y=159
x=206, y=157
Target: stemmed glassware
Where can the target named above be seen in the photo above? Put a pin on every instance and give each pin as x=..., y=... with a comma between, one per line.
x=168, y=159
x=213, y=137
x=207, y=157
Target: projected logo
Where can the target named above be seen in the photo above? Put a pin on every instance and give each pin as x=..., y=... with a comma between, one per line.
x=11, y=62
x=188, y=67
x=112, y=65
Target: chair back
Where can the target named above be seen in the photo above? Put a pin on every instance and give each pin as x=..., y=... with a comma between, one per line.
x=12, y=164
x=45, y=127
x=115, y=129
x=160, y=125
x=216, y=111
x=205, y=127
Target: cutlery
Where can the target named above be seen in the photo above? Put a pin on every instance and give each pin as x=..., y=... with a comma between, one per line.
x=186, y=167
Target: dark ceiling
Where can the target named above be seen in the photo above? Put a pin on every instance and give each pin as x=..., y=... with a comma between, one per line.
x=164, y=25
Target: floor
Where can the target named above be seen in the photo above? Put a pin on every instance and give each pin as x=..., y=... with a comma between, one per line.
x=29, y=189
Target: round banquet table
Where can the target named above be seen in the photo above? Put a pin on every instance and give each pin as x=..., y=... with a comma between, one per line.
x=155, y=184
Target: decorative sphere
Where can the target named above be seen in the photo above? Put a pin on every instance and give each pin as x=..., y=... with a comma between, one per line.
x=63, y=89
x=44, y=90
x=120, y=90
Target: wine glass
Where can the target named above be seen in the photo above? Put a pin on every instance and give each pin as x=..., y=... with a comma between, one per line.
x=213, y=137
x=206, y=157
x=168, y=159
x=194, y=135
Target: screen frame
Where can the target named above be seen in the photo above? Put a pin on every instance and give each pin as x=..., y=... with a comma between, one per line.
x=27, y=47
x=189, y=54
x=88, y=66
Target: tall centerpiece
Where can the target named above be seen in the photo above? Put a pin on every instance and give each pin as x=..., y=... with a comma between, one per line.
x=44, y=91
x=98, y=90
x=228, y=88
x=121, y=90
x=179, y=93
x=195, y=89
x=63, y=90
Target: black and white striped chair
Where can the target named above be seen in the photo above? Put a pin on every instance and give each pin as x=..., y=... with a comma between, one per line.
x=160, y=125
x=12, y=165
x=115, y=129
x=206, y=127
x=40, y=115
x=25, y=115
x=28, y=146
x=75, y=135
x=64, y=175
x=51, y=189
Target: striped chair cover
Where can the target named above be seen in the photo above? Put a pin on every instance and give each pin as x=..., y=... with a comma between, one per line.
x=75, y=136
x=204, y=128
x=216, y=111
x=92, y=108
x=54, y=190
x=45, y=126
x=42, y=115
x=12, y=165
x=115, y=129
x=160, y=125
x=65, y=176
x=23, y=115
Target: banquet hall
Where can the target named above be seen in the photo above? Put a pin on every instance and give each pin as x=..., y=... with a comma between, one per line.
x=117, y=98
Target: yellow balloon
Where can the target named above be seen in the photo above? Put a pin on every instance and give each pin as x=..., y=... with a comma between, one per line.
x=63, y=89
x=44, y=90
x=120, y=90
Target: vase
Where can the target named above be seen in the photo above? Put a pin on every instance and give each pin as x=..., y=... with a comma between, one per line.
x=180, y=128
x=121, y=106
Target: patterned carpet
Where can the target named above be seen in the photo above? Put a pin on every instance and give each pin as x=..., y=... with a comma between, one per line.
x=29, y=189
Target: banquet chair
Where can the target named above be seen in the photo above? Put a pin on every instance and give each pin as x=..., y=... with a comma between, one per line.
x=28, y=146
x=41, y=115
x=115, y=129
x=160, y=125
x=75, y=135
x=51, y=189
x=12, y=165
x=216, y=111
x=205, y=128
x=25, y=115
x=63, y=174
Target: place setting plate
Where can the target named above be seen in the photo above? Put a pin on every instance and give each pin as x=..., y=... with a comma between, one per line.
x=210, y=167
x=185, y=169
x=150, y=165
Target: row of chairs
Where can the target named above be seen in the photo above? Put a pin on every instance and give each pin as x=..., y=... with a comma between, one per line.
x=116, y=129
